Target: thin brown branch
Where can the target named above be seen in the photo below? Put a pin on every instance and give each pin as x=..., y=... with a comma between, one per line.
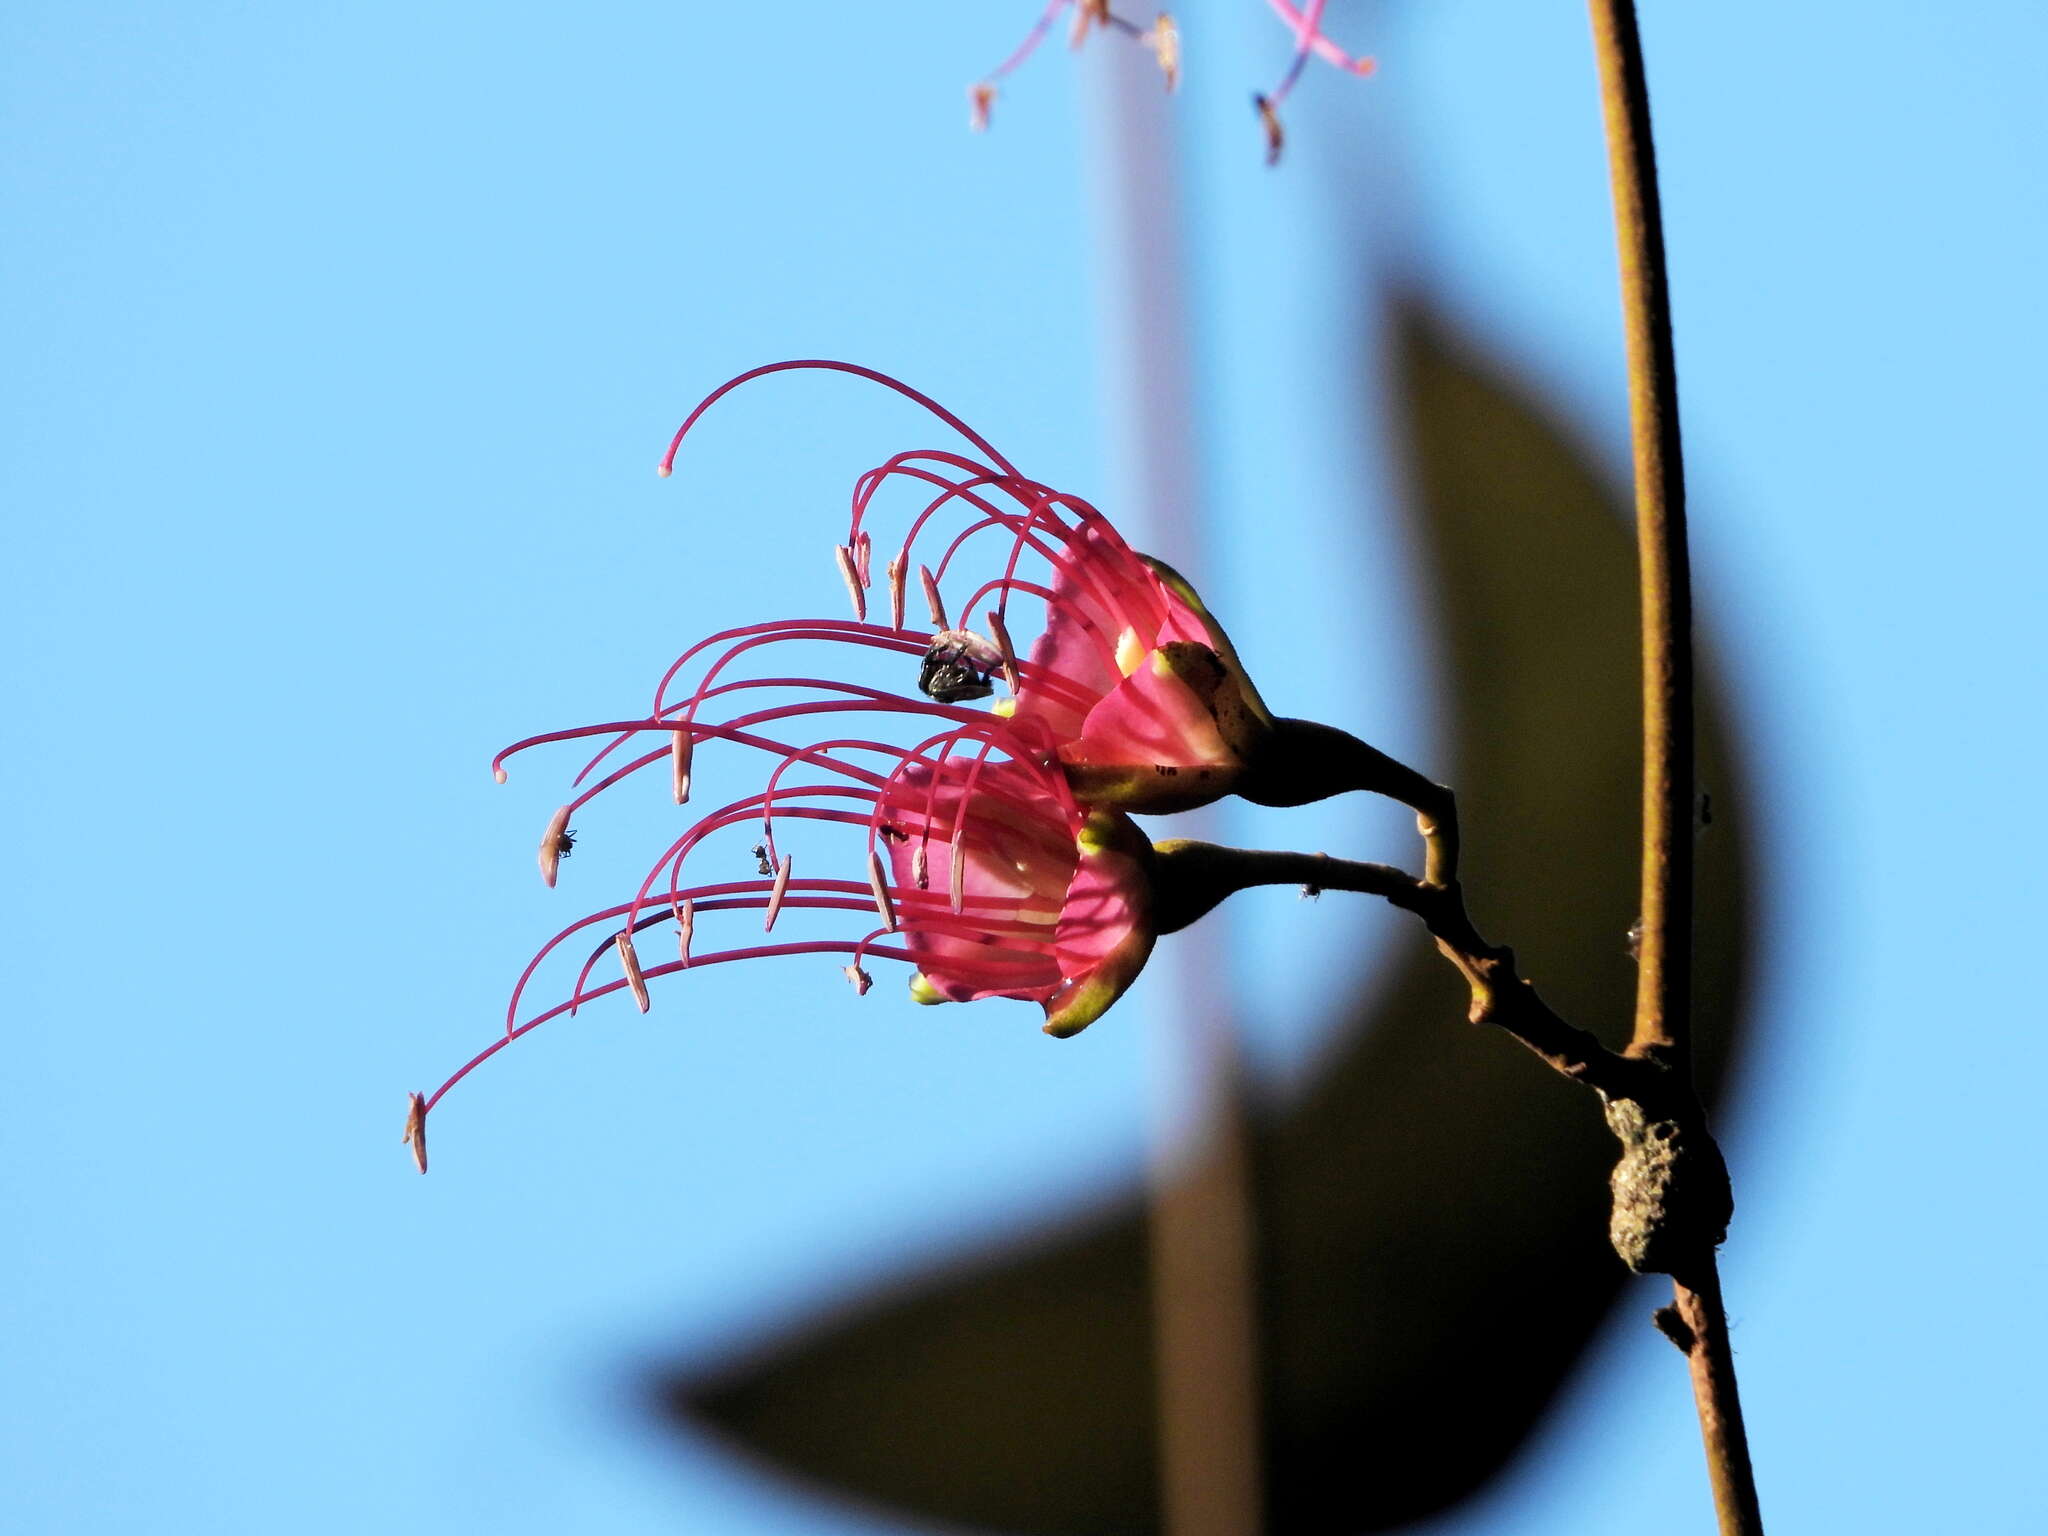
x=1664, y=978
x=1698, y=1311
x=1300, y=761
x=1194, y=876
x=1663, y=986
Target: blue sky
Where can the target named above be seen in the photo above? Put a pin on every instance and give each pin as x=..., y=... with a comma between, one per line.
x=341, y=343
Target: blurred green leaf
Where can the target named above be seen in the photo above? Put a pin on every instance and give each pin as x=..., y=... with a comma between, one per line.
x=1432, y=1210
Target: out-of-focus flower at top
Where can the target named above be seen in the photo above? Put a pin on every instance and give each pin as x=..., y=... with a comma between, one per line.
x=1162, y=38
x=981, y=869
x=1128, y=681
x=1306, y=23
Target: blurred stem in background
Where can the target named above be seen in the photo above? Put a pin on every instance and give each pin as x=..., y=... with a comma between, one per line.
x=1697, y=1322
x=1200, y=1227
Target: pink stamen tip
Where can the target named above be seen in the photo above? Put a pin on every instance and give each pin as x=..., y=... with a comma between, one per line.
x=896, y=592
x=1002, y=633
x=851, y=575
x=416, y=1127
x=861, y=982
x=682, y=747
x=920, y=867
x=957, y=861
x=880, y=885
x=686, y=928
x=629, y=961
x=500, y=775
x=863, y=558
x=555, y=842
x=931, y=596
x=775, y=895
x=980, y=98
x=664, y=470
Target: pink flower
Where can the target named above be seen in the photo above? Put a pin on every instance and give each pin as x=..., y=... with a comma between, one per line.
x=981, y=870
x=1129, y=682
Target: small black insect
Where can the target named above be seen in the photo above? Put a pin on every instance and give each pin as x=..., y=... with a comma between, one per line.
x=565, y=842
x=760, y=852
x=951, y=673
x=891, y=833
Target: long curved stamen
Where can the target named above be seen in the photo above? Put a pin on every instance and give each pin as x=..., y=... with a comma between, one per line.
x=986, y=922
x=1087, y=568
x=922, y=911
x=819, y=947
x=978, y=475
x=779, y=629
x=831, y=366
x=741, y=731
x=975, y=726
x=1085, y=572
x=608, y=915
x=735, y=814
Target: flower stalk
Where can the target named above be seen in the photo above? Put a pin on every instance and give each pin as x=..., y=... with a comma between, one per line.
x=1696, y=1322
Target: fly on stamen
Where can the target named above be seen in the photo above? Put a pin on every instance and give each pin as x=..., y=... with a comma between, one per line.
x=781, y=888
x=629, y=962
x=555, y=844
x=956, y=667
x=761, y=864
x=851, y=575
x=880, y=886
